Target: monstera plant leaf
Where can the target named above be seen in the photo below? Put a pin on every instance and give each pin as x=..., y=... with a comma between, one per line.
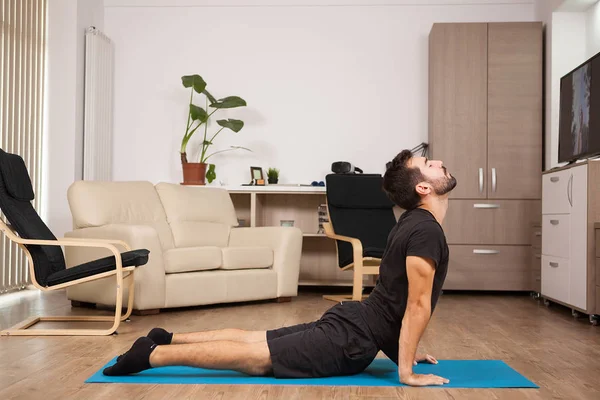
x=210, y=97
x=234, y=124
x=210, y=173
x=198, y=113
x=194, y=80
x=229, y=102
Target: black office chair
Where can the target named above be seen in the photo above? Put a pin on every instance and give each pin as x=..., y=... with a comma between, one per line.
x=360, y=219
x=45, y=257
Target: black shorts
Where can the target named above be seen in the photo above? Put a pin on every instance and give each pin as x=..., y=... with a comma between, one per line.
x=339, y=343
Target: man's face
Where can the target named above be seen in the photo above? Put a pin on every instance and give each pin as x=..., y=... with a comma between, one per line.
x=435, y=174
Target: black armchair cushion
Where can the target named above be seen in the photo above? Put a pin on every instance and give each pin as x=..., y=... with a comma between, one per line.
x=373, y=252
x=359, y=192
x=91, y=268
x=359, y=208
x=15, y=177
x=367, y=252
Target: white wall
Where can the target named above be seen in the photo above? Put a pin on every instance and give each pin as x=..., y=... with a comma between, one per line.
x=543, y=12
x=324, y=81
x=63, y=136
x=592, y=17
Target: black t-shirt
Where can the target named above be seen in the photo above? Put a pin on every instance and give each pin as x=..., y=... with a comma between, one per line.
x=417, y=233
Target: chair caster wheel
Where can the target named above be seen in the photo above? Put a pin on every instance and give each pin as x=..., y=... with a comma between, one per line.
x=594, y=319
x=547, y=302
x=127, y=320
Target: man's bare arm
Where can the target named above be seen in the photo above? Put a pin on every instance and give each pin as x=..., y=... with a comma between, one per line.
x=421, y=272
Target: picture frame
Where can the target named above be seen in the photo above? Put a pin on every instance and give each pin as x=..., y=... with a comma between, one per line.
x=257, y=176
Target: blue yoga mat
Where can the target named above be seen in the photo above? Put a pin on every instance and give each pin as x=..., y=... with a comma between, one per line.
x=382, y=372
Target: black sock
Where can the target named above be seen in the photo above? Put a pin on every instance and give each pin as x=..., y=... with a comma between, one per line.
x=158, y=336
x=135, y=360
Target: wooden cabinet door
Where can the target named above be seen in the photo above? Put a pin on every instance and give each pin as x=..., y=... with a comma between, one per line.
x=458, y=104
x=514, y=110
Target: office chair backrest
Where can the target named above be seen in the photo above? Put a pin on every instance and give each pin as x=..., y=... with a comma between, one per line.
x=359, y=208
x=16, y=195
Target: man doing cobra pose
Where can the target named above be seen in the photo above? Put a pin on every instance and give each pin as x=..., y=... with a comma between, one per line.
x=346, y=339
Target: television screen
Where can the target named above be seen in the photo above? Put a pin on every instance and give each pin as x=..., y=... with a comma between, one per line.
x=579, y=122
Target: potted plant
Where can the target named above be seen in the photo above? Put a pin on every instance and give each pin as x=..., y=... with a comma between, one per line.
x=273, y=175
x=195, y=173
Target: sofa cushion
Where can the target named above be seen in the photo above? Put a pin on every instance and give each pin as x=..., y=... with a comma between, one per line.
x=198, y=216
x=198, y=234
x=99, y=203
x=247, y=257
x=188, y=259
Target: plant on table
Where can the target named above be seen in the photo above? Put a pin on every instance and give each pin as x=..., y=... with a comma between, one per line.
x=197, y=173
x=273, y=175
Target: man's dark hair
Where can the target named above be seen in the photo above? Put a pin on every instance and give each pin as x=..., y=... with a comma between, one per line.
x=399, y=181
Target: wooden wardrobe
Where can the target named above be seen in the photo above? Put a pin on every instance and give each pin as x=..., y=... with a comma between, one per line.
x=485, y=124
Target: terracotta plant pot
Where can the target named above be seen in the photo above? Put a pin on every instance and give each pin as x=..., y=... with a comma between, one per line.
x=194, y=173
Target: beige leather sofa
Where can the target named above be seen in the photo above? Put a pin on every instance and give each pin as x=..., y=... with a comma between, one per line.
x=198, y=255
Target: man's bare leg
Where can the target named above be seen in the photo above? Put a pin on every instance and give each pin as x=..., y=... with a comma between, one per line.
x=249, y=358
x=162, y=337
x=230, y=335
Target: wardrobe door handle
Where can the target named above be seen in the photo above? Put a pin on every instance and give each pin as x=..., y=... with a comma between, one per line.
x=485, y=251
x=538, y=234
x=570, y=190
x=554, y=221
x=554, y=264
x=484, y=205
x=493, y=179
x=480, y=180
x=554, y=179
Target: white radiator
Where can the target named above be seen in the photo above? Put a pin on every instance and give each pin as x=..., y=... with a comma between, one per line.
x=98, y=114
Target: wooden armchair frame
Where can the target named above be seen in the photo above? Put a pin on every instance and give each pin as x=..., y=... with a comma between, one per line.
x=362, y=266
x=122, y=275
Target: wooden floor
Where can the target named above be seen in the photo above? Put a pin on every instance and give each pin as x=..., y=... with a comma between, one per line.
x=558, y=352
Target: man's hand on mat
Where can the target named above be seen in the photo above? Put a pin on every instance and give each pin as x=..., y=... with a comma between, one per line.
x=424, y=357
x=423, y=380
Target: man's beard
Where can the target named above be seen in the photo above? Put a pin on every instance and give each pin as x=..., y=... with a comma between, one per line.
x=444, y=185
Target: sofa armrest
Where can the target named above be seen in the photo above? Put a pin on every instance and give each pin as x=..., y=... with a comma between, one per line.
x=286, y=243
x=149, y=279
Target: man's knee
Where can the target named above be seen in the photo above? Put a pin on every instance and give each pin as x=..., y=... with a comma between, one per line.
x=263, y=369
x=259, y=359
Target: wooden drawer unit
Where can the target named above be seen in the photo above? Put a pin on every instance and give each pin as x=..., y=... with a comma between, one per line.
x=489, y=268
x=536, y=271
x=597, y=300
x=536, y=236
x=597, y=271
x=502, y=222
